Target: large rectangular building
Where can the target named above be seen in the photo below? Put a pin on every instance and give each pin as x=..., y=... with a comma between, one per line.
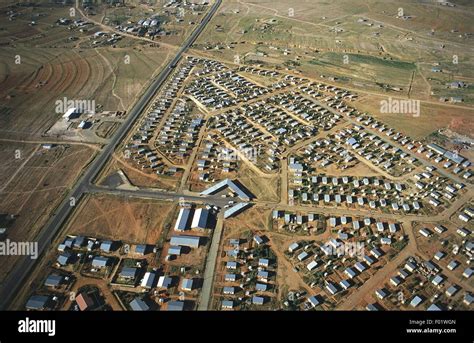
x=200, y=219
x=186, y=241
x=227, y=184
x=184, y=217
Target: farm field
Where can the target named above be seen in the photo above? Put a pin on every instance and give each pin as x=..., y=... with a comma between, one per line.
x=37, y=72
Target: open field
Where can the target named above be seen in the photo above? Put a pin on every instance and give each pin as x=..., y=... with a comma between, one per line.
x=432, y=118
x=41, y=180
x=138, y=178
x=131, y=220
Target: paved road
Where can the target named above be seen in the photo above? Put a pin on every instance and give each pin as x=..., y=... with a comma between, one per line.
x=162, y=195
x=209, y=270
x=25, y=265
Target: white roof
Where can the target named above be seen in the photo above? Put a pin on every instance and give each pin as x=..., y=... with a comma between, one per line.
x=70, y=112
x=148, y=279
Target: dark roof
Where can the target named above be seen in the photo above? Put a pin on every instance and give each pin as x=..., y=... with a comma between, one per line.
x=63, y=259
x=175, y=306
x=128, y=272
x=138, y=304
x=37, y=302
x=100, y=261
x=53, y=280
x=141, y=249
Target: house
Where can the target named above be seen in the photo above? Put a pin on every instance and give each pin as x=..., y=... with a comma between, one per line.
x=452, y=290
x=164, y=282
x=261, y=287
x=417, y=300
x=230, y=277
x=234, y=241
x=376, y=252
x=439, y=255
x=106, y=246
x=463, y=232
x=434, y=307
x=148, y=280
x=351, y=273
x=425, y=232
x=392, y=227
x=64, y=258
x=410, y=266
x=302, y=256
x=53, y=280
x=79, y=242
x=141, y=249
x=37, y=302
x=314, y=301
x=227, y=304
x=438, y=280
x=263, y=275
x=372, y=307
x=293, y=247
x=231, y=265
x=331, y=288
x=71, y=113
x=345, y=284
x=100, y=262
x=84, y=301
x=382, y=293
x=257, y=239
x=468, y=299
x=175, y=306
x=187, y=285
x=263, y=262
x=360, y=266
x=128, y=273
x=464, y=217
x=138, y=304
x=467, y=273
x=310, y=266
x=369, y=260
x=229, y=290
x=403, y=273
x=295, y=167
x=174, y=250
x=256, y=300
x=453, y=265
x=48, y=146
x=395, y=281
